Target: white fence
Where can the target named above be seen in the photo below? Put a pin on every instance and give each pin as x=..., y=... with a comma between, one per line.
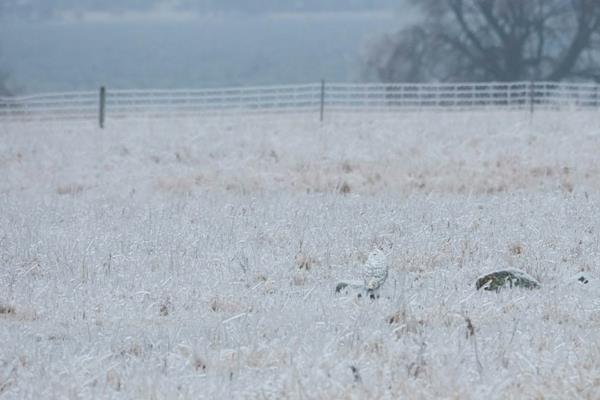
x=309, y=98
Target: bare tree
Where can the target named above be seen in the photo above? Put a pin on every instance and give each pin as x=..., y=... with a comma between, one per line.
x=494, y=40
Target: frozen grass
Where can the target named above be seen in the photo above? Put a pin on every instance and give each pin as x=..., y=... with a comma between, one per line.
x=198, y=259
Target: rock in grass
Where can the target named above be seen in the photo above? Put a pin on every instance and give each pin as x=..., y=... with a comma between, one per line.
x=583, y=280
x=341, y=287
x=510, y=278
x=344, y=287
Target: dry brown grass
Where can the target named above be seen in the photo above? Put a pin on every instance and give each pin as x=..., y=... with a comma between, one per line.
x=6, y=309
x=70, y=189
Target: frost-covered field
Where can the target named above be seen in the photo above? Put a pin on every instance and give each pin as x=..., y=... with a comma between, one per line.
x=198, y=259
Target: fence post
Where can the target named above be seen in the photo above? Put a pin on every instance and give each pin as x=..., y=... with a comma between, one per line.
x=531, y=96
x=102, y=111
x=322, y=100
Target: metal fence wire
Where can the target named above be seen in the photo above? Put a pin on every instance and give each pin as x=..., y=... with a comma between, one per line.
x=306, y=98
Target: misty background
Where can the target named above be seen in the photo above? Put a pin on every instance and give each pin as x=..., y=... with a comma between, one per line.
x=61, y=45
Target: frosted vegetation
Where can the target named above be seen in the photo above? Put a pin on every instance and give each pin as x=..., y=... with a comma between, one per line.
x=198, y=259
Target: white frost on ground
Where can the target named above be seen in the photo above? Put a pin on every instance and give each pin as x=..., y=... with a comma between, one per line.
x=198, y=259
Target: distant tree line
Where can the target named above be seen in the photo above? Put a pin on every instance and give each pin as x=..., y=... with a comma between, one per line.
x=261, y=6
x=4, y=91
x=494, y=40
x=46, y=9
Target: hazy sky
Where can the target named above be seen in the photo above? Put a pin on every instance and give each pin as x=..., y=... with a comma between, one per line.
x=62, y=45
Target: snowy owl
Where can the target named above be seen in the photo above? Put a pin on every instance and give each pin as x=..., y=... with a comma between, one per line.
x=376, y=272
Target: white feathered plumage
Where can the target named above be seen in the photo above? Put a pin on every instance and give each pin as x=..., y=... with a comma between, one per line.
x=376, y=272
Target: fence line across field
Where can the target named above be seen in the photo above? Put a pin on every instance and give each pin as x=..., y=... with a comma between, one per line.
x=319, y=98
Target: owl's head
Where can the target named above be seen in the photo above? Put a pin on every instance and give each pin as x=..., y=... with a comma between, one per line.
x=383, y=243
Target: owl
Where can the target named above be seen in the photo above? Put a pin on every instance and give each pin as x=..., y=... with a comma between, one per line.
x=376, y=272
